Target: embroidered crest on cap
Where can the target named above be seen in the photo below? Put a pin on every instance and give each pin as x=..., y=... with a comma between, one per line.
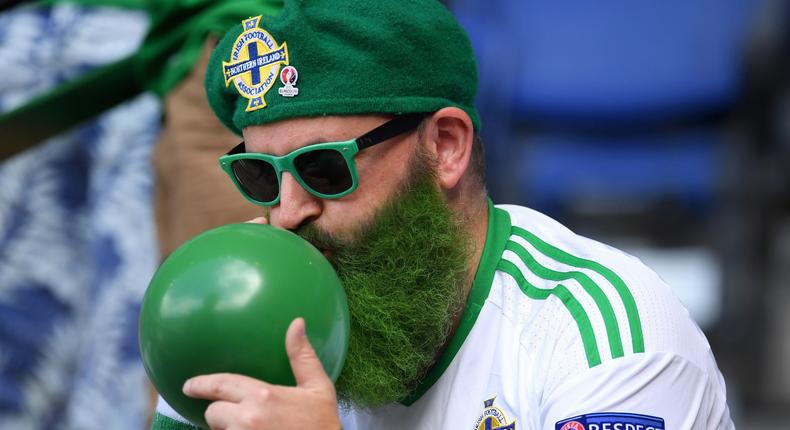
x=255, y=61
x=289, y=76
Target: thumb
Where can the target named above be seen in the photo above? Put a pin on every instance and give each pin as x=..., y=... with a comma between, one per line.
x=258, y=220
x=307, y=368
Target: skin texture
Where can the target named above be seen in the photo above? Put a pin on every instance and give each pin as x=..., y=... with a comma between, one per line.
x=244, y=403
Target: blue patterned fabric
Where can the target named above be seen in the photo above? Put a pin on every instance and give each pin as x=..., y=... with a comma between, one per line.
x=77, y=243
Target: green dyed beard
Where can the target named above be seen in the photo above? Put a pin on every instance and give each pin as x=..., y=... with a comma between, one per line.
x=403, y=274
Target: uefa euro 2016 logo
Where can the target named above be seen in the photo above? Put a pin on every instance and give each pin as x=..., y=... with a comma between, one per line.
x=254, y=64
x=289, y=76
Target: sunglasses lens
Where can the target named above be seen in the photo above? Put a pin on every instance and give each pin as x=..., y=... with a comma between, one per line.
x=257, y=178
x=324, y=170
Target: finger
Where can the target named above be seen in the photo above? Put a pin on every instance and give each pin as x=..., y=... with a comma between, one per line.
x=219, y=414
x=258, y=220
x=222, y=386
x=307, y=368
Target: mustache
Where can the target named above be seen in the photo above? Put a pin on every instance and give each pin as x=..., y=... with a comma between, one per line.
x=321, y=239
x=327, y=241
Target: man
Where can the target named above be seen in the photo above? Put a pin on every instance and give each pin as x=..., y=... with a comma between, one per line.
x=464, y=314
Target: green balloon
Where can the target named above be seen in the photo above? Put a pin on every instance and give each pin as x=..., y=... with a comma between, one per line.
x=222, y=303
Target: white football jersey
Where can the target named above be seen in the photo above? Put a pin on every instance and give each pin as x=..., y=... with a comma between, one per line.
x=561, y=332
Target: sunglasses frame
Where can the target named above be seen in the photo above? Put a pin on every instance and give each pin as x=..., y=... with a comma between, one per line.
x=347, y=149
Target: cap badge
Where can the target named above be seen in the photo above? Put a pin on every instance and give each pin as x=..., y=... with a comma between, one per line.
x=254, y=64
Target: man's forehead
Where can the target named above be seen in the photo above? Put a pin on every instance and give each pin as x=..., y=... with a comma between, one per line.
x=281, y=137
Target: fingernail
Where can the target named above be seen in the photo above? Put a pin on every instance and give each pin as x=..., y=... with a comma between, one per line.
x=302, y=328
x=187, y=386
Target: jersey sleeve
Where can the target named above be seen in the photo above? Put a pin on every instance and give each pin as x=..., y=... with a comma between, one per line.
x=651, y=390
x=166, y=418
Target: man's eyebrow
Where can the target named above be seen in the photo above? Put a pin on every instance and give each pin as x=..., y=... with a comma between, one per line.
x=316, y=141
x=322, y=139
x=313, y=141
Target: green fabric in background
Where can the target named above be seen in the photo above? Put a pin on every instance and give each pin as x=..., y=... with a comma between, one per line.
x=178, y=30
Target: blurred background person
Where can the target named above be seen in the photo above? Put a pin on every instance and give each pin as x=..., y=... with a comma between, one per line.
x=88, y=215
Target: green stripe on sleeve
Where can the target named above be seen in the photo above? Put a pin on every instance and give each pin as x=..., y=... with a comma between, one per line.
x=163, y=422
x=634, y=322
x=574, y=307
x=597, y=294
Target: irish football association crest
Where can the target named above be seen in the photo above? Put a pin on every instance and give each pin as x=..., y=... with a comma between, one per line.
x=254, y=64
x=493, y=418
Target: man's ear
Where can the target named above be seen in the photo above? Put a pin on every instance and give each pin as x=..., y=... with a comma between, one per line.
x=449, y=134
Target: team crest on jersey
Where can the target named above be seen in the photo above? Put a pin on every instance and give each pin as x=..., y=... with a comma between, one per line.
x=254, y=64
x=611, y=421
x=493, y=418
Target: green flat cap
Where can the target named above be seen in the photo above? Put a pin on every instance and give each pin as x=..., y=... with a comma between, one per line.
x=342, y=57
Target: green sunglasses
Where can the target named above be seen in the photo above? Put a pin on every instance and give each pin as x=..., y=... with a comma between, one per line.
x=326, y=170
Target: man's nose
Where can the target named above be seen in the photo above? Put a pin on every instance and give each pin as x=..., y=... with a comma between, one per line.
x=297, y=206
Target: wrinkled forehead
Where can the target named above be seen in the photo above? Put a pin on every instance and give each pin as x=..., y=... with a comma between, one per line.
x=284, y=136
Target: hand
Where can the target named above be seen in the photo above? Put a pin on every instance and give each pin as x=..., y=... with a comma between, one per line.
x=244, y=403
